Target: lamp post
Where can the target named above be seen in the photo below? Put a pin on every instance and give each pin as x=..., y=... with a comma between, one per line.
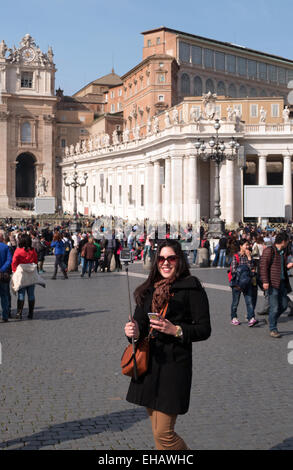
x=216, y=153
x=75, y=182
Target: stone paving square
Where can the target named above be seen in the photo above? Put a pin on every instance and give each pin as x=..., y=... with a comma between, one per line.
x=61, y=385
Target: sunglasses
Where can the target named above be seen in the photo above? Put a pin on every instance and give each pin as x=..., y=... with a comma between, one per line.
x=170, y=259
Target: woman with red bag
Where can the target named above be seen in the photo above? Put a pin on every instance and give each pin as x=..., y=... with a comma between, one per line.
x=165, y=387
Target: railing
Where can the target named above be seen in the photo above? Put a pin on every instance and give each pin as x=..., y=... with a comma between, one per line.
x=269, y=128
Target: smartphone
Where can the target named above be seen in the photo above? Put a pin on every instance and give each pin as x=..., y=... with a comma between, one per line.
x=154, y=316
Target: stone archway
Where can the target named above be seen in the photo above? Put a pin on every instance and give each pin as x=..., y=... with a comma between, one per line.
x=25, y=179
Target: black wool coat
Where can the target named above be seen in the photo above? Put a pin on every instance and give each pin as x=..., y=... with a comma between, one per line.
x=166, y=385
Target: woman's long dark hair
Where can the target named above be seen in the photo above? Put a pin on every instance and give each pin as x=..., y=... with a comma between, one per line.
x=57, y=237
x=25, y=241
x=182, y=269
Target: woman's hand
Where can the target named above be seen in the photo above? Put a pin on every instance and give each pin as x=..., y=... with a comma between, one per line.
x=131, y=329
x=164, y=326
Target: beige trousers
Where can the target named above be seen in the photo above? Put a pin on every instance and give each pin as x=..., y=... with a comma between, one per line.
x=163, y=431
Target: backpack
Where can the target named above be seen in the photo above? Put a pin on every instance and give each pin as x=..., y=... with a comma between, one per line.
x=67, y=246
x=230, y=275
x=242, y=277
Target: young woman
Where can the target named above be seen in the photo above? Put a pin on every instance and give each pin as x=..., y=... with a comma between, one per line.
x=165, y=388
x=25, y=254
x=244, y=258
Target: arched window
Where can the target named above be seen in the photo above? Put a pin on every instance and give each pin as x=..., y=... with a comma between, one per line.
x=185, y=84
x=210, y=86
x=26, y=133
x=221, y=89
x=232, y=90
x=243, y=91
x=197, y=86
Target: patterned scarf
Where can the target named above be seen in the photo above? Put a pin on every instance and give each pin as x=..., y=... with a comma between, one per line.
x=162, y=294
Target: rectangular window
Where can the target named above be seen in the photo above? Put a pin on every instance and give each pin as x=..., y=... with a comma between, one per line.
x=218, y=111
x=63, y=143
x=161, y=97
x=158, y=40
x=209, y=58
x=289, y=75
x=282, y=75
x=161, y=77
x=130, y=194
x=196, y=55
x=252, y=68
x=262, y=71
x=149, y=43
x=272, y=73
x=184, y=52
x=120, y=194
x=242, y=66
x=238, y=106
x=120, y=93
x=142, y=195
x=220, y=61
x=231, y=63
x=275, y=110
x=26, y=80
x=253, y=110
x=195, y=111
x=112, y=108
x=112, y=94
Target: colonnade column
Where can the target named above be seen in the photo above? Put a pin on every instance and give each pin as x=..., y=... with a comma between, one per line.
x=230, y=182
x=149, y=191
x=262, y=170
x=193, y=190
x=167, y=189
x=287, y=183
x=176, y=188
x=157, y=192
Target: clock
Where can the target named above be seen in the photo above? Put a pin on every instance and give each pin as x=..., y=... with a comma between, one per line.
x=28, y=54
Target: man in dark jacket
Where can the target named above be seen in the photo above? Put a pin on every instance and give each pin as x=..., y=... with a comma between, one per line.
x=89, y=254
x=273, y=272
x=5, y=263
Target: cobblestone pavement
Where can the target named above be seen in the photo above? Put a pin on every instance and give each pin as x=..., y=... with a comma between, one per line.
x=61, y=385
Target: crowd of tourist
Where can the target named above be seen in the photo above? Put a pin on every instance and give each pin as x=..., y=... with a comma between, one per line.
x=88, y=251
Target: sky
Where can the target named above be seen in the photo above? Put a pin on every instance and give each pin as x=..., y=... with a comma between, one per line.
x=89, y=37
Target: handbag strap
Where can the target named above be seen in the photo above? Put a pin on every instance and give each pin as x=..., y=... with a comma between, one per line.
x=162, y=314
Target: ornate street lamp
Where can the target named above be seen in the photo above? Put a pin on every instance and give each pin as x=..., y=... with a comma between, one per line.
x=75, y=182
x=217, y=153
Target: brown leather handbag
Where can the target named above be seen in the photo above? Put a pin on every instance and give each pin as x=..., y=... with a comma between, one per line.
x=141, y=353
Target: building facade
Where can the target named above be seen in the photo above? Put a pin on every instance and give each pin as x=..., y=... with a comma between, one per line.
x=162, y=177
x=27, y=116
x=135, y=134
